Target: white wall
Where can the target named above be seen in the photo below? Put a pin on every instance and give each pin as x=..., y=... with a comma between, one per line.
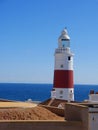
x=93, y=121
x=65, y=93
x=62, y=59
x=93, y=97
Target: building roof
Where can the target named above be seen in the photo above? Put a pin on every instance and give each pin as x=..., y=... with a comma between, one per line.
x=55, y=102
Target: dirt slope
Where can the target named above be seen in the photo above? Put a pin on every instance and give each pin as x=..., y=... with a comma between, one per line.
x=36, y=113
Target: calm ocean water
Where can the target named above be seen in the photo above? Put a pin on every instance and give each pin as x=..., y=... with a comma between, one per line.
x=39, y=92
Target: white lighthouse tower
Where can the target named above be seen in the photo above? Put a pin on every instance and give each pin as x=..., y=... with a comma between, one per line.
x=63, y=87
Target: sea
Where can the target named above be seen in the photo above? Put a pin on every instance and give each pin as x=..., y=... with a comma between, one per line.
x=39, y=92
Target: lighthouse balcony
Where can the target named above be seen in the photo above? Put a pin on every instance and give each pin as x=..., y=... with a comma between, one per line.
x=60, y=50
x=64, y=50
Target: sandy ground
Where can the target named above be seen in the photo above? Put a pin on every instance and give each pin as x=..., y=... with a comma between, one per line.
x=35, y=113
x=17, y=104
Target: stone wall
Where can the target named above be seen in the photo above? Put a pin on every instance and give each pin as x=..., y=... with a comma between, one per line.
x=76, y=112
x=40, y=125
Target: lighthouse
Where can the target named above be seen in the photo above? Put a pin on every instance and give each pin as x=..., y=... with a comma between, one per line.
x=63, y=87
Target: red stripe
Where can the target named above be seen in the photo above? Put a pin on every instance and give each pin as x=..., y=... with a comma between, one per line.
x=63, y=79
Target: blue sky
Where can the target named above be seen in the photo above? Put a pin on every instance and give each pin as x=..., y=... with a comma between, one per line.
x=29, y=31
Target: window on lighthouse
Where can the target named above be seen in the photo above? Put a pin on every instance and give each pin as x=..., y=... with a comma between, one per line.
x=69, y=58
x=65, y=43
x=61, y=92
x=61, y=66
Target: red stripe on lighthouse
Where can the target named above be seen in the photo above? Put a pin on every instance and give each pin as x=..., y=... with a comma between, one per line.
x=63, y=79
